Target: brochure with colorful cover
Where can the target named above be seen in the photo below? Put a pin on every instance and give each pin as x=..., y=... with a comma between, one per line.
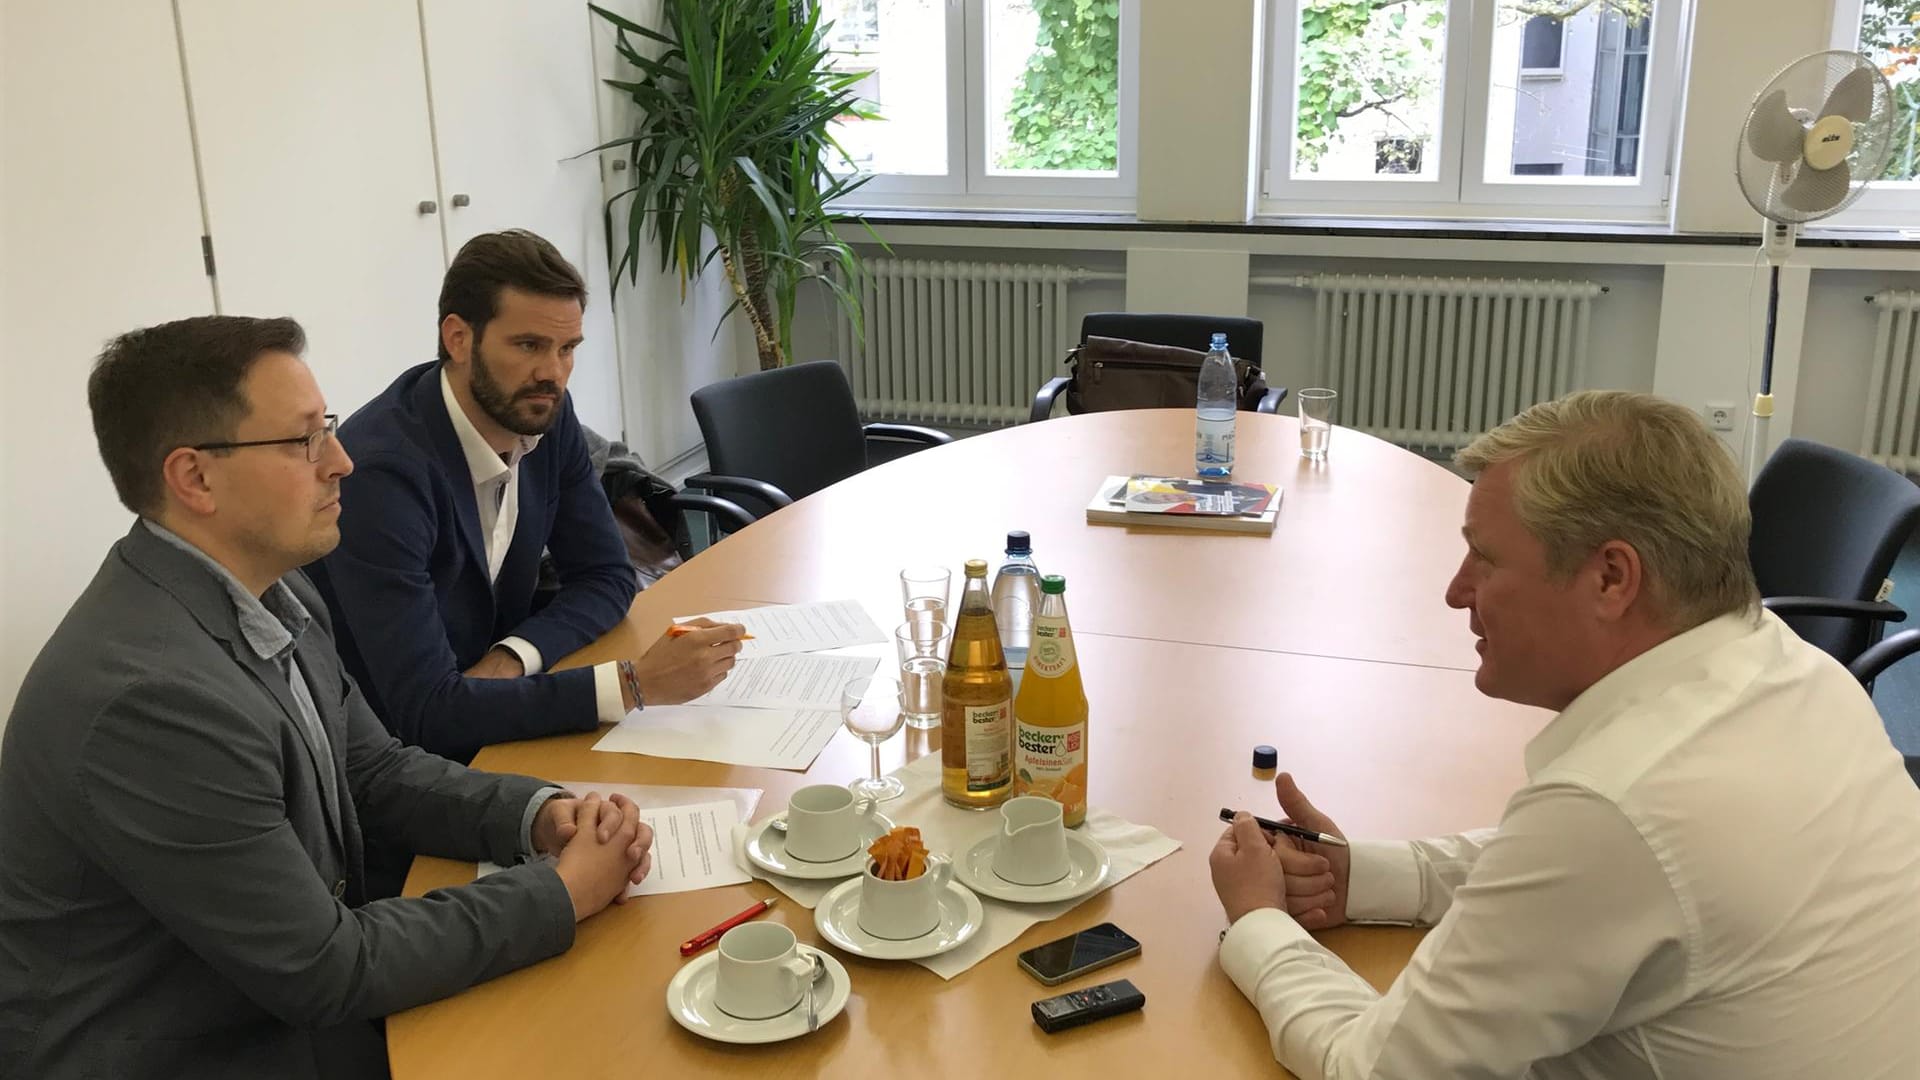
x=1186, y=503
x=1178, y=495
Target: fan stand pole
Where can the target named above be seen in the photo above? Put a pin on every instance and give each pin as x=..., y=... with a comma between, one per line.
x=1763, y=401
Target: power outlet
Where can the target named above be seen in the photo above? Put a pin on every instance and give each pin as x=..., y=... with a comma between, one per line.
x=1719, y=417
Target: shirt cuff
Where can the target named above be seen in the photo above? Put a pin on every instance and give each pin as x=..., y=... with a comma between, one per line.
x=608, y=702
x=533, y=810
x=1250, y=944
x=529, y=656
x=1384, y=883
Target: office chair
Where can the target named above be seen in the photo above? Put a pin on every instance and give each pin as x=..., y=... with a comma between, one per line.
x=1827, y=526
x=776, y=436
x=1869, y=666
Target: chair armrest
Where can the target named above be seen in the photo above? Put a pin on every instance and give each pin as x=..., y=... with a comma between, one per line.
x=745, y=485
x=1043, y=401
x=1271, y=402
x=1879, y=657
x=731, y=515
x=907, y=433
x=1877, y=610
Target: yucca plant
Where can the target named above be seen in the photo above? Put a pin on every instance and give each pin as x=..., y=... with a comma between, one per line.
x=733, y=140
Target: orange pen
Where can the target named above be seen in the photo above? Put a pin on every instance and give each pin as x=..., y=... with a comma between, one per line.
x=682, y=630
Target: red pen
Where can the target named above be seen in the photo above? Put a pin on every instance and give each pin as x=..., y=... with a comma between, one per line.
x=695, y=944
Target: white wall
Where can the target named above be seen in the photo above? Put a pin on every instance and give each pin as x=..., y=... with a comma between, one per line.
x=1200, y=87
x=9, y=673
x=1737, y=45
x=99, y=232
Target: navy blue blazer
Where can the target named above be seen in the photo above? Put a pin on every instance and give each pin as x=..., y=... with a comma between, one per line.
x=408, y=588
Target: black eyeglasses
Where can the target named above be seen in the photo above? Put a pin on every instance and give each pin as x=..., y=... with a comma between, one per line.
x=315, y=441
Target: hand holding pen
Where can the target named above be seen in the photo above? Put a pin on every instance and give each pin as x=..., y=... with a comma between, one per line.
x=1306, y=876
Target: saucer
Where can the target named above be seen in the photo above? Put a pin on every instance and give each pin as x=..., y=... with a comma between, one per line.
x=1087, y=866
x=838, y=919
x=690, y=1001
x=767, y=849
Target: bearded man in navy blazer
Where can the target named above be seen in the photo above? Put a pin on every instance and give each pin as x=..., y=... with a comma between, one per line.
x=468, y=468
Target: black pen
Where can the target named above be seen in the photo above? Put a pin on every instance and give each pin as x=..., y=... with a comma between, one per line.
x=1291, y=830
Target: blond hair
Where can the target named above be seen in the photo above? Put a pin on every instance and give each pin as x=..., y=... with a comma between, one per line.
x=1602, y=465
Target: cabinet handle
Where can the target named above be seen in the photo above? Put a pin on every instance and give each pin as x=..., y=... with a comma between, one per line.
x=461, y=200
x=619, y=166
x=428, y=206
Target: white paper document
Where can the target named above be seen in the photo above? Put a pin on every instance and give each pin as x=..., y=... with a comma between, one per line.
x=732, y=735
x=692, y=847
x=799, y=681
x=780, y=629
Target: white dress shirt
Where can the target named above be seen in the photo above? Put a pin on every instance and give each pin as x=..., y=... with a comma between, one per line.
x=496, y=491
x=1713, y=871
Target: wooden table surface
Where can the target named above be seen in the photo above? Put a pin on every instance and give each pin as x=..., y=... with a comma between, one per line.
x=1328, y=640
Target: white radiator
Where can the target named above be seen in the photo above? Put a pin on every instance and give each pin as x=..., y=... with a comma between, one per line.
x=957, y=342
x=1893, y=393
x=1431, y=362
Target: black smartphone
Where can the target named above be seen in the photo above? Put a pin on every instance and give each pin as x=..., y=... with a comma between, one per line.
x=1073, y=956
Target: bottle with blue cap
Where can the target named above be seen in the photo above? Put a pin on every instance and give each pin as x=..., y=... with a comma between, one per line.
x=1016, y=596
x=1213, y=434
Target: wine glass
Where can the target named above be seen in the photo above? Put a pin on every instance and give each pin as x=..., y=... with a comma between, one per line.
x=870, y=708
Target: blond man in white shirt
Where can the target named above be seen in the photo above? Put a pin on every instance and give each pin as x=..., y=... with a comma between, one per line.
x=1714, y=867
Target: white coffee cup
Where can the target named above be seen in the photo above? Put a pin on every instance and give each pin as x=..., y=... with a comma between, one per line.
x=899, y=910
x=825, y=823
x=1033, y=841
x=761, y=971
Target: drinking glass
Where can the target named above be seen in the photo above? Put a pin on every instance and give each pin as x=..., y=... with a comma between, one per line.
x=1316, y=422
x=923, y=593
x=870, y=708
x=923, y=649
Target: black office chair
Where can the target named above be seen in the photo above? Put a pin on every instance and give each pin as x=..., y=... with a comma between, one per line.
x=650, y=515
x=776, y=436
x=1827, y=526
x=1877, y=659
x=1244, y=337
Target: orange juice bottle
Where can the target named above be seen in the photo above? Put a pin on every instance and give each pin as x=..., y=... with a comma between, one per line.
x=1050, y=713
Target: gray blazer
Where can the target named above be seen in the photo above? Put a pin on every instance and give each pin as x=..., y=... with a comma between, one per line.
x=175, y=898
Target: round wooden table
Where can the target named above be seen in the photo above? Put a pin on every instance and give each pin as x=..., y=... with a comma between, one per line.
x=1329, y=640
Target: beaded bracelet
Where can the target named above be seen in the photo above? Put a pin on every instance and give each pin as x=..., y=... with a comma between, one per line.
x=631, y=679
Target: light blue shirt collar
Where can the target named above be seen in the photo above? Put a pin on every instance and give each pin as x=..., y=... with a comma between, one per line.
x=271, y=623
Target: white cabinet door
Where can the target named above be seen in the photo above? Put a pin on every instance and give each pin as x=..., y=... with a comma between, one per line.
x=99, y=234
x=513, y=102
x=316, y=154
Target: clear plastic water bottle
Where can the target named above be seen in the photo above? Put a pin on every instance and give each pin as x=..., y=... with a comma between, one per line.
x=1016, y=596
x=1213, y=426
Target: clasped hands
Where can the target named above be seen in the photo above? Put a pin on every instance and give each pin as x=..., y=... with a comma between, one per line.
x=601, y=846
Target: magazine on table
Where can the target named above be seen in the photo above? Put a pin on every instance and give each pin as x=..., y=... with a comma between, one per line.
x=1186, y=502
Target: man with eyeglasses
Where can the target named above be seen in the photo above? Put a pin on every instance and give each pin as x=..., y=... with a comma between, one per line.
x=470, y=466
x=188, y=777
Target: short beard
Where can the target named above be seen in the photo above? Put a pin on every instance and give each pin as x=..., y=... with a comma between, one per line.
x=499, y=404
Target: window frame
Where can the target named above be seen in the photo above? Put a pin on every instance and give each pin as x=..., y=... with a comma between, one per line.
x=968, y=184
x=1282, y=192
x=1640, y=198
x=1459, y=189
x=1559, y=68
x=1888, y=204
